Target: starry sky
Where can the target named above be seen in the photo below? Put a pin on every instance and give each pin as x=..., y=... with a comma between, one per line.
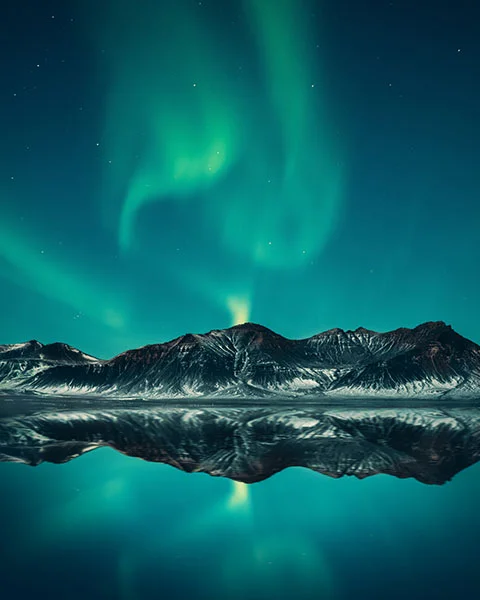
x=183, y=165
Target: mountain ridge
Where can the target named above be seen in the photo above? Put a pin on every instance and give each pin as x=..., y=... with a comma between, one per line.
x=250, y=359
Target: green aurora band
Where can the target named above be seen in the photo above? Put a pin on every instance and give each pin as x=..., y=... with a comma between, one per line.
x=234, y=121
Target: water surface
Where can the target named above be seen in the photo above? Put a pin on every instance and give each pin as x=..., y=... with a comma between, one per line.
x=109, y=526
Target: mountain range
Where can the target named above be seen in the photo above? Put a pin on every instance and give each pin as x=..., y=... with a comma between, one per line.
x=250, y=361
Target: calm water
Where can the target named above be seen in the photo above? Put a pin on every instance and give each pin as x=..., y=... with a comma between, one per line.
x=108, y=526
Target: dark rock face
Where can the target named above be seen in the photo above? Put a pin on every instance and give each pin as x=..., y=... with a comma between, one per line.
x=35, y=351
x=20, y=363
x=250, y=444
x=250, y=361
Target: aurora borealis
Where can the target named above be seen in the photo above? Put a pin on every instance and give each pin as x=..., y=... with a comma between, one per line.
x=187, y=130
x=179, y=166
x=173, y=166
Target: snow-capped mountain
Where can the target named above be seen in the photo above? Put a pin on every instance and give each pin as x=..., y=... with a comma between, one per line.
x=251, y=361
x=19, y=363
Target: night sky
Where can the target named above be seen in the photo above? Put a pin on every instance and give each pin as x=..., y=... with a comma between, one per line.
x=175, y=165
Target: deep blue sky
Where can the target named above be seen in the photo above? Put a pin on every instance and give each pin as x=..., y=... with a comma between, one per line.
x=179, y=166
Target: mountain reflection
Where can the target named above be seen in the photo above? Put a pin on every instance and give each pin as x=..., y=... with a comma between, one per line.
x=249, y=443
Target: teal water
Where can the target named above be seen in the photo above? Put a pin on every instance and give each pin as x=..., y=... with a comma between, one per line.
x=107, y=526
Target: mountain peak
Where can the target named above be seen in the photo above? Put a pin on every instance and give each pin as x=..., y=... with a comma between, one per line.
x=432, y=325
x=251, y=327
